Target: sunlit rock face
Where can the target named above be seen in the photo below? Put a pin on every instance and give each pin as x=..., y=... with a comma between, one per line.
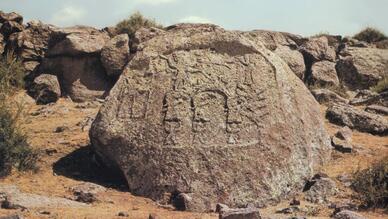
x=207, y=112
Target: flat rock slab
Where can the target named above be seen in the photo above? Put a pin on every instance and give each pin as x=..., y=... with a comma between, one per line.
x=12, y=198
x=347, y=115
x=377, y=109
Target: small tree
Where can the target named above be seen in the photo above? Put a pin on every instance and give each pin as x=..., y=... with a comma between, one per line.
x=135, y=22
x=370, y=35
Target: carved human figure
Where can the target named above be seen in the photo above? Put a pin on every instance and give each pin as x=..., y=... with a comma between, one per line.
x=209, y=119
x=177, y=118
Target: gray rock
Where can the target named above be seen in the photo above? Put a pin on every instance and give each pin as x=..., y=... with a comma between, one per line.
x=321, y=190
x=345, y=133
x=366, y=97
x=87, y=192
x=172, y=119
x=10, y=27
x=377, y=109
x=294, y=60
x=32, y=43
x=14, y=199
x=347, y=115
x=341, y=145
x=318, y=49
x=328, y=97
x=4, y=17
x=346, y=214
x=12, y=217
x=115, y=55
x=81, y=78
x=45, y=89
x=361, y=68
x=323, y=74
x=75, y=41
x=242, y=213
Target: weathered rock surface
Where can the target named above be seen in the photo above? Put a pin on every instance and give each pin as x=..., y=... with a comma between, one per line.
x=342, y=140
x=87, y=192
x=284, y=45
x=318, y=49
x=2, y=44
x=194, y=113
x=346, y=115
x=325, y=96
x=377, y=109
x=45, y=89
x=81, y=78
x=360, y=68
x=142, y=35
x=346, y=214
x=242, y=213
x=115, y=55
x=4, y=17
x=321, y=190
x=323, y=74
x=366, y=97
x=75, y=41
x=32, y=43
x=12, y=198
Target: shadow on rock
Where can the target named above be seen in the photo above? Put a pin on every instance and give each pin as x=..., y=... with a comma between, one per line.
x=83, y=164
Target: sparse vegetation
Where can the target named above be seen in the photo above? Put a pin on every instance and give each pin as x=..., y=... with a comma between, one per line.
x=11, y=74
x=381, y=86
x=322, y=33
x=14, y=148
x=135, y=22
x=370, y=35
x=372, y=185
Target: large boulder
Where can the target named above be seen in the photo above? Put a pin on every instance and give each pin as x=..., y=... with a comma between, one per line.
x=81, y=78
x=347, y=115
x=45, y=89
x=324, y=74
x=4, y=17
x=78, y=40
x=361, y=68
x=10, y=23
x=211, y=114
x=115, y=55
x=318, y=49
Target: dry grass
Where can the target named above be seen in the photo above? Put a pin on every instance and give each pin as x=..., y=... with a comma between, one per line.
x=135, y=22
x=371, y=185
x=370, y=35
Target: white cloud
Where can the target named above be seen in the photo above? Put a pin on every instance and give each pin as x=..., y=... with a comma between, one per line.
x=195, y=19
x=68, y=16
x=154, y=2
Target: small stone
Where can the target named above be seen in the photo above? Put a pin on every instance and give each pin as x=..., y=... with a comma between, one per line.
x=295, y=202
x=246, y=213
x=153, y=216
x=288, y=210
x=341, y=145
x=181, y=202
x=61, y=129
x=221, y=208
x=44, y=212
x=345, y=133
x=51, y=151
x=123, y=214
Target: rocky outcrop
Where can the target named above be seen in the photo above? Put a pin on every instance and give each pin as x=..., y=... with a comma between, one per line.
x=361, y=68
x=45, y=89
x=32, y=43
x=324, y=74
x=342, y=140
x=354, y=118
x=320, y=189
x=196, y=95
x=346, y=214
x=318, y=49
x=367, y=97
x=76, y=41
x=115, y=55
x=246, y=213
x=284, y=45
x=327, y=97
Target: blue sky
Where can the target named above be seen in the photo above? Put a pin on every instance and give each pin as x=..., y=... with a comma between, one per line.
x=305, y=17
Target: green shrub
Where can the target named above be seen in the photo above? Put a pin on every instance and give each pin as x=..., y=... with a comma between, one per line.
x=135, y=22
x=372, y=185
x=14, y=148
x=370, y=35
x=381, y=86
x=11, y=74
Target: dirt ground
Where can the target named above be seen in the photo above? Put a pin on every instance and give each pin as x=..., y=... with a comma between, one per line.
x=67, y=160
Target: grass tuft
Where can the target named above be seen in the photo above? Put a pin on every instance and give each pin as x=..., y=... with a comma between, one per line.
x=370, y=35
x=134, y=23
